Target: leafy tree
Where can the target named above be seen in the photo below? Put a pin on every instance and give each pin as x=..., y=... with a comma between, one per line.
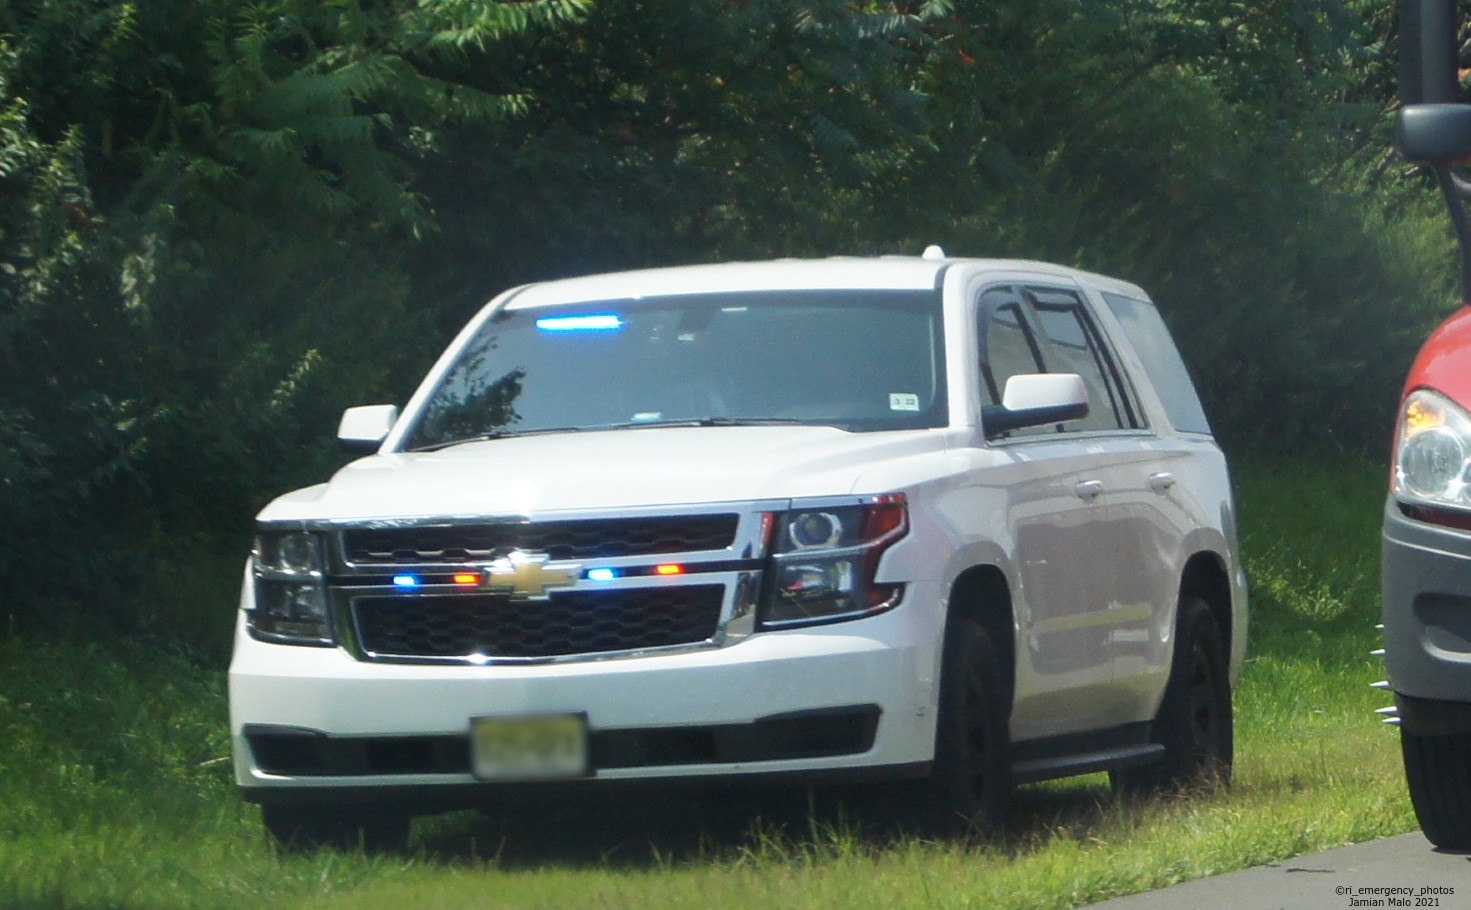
x=204, y=217
x=1223, y=155
x=223, y=220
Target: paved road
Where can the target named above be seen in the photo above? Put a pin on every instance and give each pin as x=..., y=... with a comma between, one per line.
x=1327, y=881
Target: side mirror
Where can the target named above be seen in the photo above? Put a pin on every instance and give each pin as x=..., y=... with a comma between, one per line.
x=1436, y=134
x=364, y=428
x=1033, y=399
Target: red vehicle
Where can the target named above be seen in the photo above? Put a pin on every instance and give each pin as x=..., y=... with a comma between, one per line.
x=1427, y=519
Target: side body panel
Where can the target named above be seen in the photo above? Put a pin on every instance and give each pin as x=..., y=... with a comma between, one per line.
x=1427, y=571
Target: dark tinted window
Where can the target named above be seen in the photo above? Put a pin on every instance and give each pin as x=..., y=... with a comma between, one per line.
x=1077, y=347
x=1162, y=361
x=1009, y=347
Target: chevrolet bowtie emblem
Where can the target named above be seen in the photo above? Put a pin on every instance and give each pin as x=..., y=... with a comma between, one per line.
x=525, y=575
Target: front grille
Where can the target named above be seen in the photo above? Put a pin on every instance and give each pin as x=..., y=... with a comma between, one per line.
x=571, y=622
x=560, y=540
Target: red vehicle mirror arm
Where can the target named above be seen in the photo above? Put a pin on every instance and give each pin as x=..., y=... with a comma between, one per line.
x=1433, y=128
x=1457, y=208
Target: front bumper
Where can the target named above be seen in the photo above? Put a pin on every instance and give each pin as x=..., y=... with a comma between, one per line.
x=1427, y=622
x=316, y=723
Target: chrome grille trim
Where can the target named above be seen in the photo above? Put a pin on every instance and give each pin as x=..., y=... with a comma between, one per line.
x=460, y=544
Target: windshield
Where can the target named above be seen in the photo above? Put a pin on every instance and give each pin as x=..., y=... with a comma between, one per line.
x=860, y=360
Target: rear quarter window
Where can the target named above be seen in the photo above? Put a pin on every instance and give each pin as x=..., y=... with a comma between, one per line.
x=1162, y=361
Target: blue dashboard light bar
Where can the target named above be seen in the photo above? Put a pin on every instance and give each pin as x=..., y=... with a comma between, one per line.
x=602, y=322
x=601, y=574
x=406, y=581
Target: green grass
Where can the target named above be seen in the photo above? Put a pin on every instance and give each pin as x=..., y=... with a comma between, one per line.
x=115, y=788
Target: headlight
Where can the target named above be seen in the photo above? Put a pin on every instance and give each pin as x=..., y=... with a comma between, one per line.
x=288, y=552
x=1431, y=452
x=825, y=559
x=290, y=590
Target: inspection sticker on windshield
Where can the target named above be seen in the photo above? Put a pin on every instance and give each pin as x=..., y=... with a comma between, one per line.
x=903, y=401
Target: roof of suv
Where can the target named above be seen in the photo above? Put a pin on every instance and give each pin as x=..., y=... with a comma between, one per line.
x=837, y=273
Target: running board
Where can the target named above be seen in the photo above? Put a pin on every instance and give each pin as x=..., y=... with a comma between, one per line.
x=1040, y=769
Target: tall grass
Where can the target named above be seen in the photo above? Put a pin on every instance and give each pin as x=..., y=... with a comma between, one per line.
x=115, y=788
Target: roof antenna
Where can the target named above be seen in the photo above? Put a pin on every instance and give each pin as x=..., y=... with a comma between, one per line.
x=933, y=252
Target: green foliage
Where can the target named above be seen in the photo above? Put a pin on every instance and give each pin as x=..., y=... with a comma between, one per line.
x=221, y=222
x=52, y=262
x=1221, y=155
x=1310, y=531
x=204, y=211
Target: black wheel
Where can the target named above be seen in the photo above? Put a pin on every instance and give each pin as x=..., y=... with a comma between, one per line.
x=1438, y=771
x=1194, y=722
x=969, y=787
x=371, y=829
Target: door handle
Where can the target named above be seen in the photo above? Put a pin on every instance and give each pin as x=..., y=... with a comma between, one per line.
x=1161, y=482
x=1089, y=489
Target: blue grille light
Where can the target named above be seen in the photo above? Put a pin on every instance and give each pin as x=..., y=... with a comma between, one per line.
x=598, y=323
x=602, y=574
x=406, y=581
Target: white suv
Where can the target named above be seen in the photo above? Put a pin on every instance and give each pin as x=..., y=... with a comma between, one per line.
x=960, y=522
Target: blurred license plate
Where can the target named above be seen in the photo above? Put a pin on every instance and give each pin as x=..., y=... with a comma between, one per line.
x=528, y=748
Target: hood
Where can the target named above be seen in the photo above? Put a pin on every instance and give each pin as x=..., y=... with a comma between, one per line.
x=600, y=470
x=1444, y=363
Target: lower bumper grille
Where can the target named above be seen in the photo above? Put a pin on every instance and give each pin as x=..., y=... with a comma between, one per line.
x=821, y=733
x=573, y=622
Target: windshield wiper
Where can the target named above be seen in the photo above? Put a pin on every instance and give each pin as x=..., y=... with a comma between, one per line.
x=627, y=425
x=742, y=421
x=750, y=421
x=703, y=422
x=494, y=434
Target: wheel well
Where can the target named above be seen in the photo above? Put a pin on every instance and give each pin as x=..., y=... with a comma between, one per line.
x=1205, y=577
x=982, y=596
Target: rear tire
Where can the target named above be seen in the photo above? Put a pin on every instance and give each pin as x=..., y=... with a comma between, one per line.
x=1194, y=722
x=1438, y=772
x=969, y=788
x=372, y=829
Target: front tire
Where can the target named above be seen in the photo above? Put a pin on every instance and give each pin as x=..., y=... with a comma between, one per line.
x=1438, y=772
x=1194, y=722
x=969, y=788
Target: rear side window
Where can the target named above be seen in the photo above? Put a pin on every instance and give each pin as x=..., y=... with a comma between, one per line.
x=1162, y=361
